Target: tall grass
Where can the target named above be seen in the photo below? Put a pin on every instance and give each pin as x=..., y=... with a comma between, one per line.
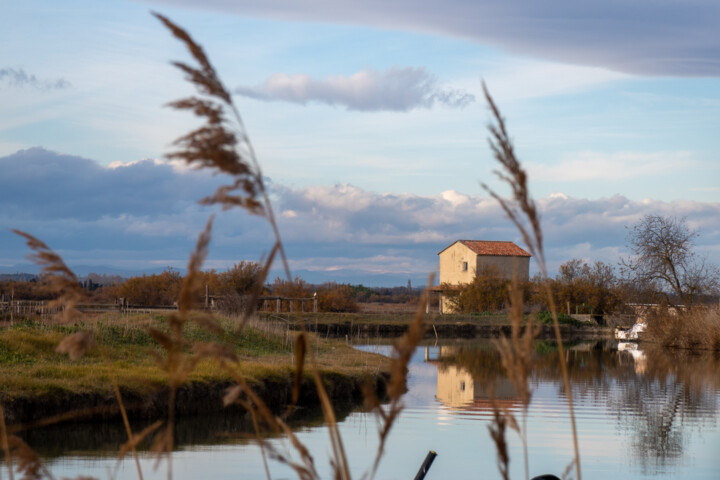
x=222, y=144
x=696, y=329
x=517, y=352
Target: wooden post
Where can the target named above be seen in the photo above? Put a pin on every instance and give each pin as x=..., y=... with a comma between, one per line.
x=207, y=296
x=292, y=302
x=277, y=304
x=568, y=307
x=315, y=306
x=425, y=465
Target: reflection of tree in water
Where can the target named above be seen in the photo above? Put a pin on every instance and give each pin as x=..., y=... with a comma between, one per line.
x=654, y=420
x=675, y=395
x=658, y=405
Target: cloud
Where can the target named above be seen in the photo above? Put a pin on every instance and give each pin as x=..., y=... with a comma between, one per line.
x=396, y=89
x=640, y=37
x=597, y=166
x=144, y=214
x=46, y=185
x=19, y=79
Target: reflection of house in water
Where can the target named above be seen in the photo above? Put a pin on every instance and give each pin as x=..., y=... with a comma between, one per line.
x=456, y=387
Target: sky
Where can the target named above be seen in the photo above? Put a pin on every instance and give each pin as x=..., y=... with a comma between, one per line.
x=369, y=123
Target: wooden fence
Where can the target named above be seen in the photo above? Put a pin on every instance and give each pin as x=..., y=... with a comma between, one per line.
x=15, y=309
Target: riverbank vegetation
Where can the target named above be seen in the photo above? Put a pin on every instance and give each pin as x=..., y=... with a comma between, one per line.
x=116, y=355
x=124, y=347
x=697, y=328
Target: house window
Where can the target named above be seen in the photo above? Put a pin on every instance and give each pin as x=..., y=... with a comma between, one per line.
x=464, y=266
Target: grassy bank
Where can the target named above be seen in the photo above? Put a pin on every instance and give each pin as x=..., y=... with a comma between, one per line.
x=31, y=368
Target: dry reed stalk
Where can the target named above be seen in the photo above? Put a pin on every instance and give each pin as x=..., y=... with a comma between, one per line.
x=5, y=442
x=28, y=462
x=216, y=145
x=516, y=355
x=522, y=211
x=403, y=350
x=222, y=144
x=61, y=280
x=133, y=440
x=497, y=432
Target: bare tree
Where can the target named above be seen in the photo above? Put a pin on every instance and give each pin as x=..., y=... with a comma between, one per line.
x=664, y=258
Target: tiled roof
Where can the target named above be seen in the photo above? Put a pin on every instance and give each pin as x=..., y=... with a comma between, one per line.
x=484, y=247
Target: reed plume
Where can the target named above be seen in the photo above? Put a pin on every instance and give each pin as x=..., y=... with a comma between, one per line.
x=60, y=279
x=222, y=144
x=523, y=213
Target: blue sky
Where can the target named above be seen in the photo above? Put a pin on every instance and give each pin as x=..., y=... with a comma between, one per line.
x=368, y=119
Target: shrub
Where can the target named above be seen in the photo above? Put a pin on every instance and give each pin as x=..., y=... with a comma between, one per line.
x=336, y=298
x=488, y=292
x=160, y=289
x=695, y=328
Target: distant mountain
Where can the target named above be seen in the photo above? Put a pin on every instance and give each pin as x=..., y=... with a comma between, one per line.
x=84, y=270
x=18, y=277
x=316, y=277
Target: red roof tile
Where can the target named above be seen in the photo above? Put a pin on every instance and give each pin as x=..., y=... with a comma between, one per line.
x=484, y=247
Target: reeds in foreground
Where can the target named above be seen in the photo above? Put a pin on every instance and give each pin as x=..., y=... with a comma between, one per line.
x=223, y=145
x=516, y=352
x=62, y=282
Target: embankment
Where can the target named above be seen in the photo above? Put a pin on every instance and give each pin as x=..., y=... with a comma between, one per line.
x=192, y=399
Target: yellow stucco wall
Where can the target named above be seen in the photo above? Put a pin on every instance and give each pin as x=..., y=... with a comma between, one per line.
x=451, y=263
x=505, y=265
x=453, y=258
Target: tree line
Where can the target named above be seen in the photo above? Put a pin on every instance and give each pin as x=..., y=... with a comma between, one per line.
x=663, y=268
x=228, y=290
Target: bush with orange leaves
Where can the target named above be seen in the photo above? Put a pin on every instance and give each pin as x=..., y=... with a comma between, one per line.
x=157, y=289
x=333, y=297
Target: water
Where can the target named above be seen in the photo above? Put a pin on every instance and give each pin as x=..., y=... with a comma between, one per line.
x=640, y=414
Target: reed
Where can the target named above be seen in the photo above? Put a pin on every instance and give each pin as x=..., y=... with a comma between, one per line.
x=698, y=328
x=223, y=145
x=516, y=353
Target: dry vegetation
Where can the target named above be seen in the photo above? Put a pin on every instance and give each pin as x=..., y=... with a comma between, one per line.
x=695, y=329
x=192, y=345
x=220, y=144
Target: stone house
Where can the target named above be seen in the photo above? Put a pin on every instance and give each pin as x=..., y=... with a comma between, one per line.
x=463, y=259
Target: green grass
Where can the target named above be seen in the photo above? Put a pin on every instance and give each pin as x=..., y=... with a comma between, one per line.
x=545, y=318
x=29, y=364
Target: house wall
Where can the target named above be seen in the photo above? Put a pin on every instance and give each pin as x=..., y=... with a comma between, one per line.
x=505, y=265
x=451, y=262
x=451, y=268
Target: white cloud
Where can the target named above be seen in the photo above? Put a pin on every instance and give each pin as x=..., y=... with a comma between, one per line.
x=396, y=89
x=522, y=79
x=599, y=166
x=145, y=212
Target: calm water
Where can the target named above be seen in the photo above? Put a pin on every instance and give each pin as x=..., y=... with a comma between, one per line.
x=640, y=415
